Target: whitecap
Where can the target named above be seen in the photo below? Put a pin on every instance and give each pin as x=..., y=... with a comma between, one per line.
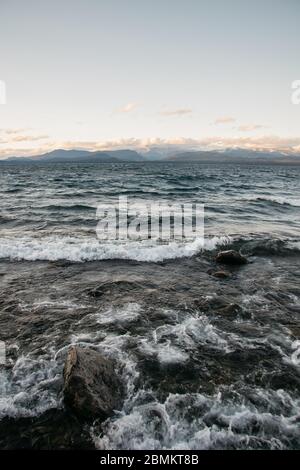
x=78, y=249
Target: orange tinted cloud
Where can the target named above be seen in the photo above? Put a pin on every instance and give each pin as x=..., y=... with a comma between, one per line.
x=176, y=112
x=128, y=108
x=225, y=120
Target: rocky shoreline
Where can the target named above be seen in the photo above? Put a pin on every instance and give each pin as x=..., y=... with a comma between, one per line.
x=91, y=386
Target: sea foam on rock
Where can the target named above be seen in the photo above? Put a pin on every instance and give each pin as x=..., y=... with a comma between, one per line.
x=91, y=387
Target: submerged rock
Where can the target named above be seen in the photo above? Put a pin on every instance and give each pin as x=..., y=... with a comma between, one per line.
x=221, y=274
x=295, y=330
x=91, y=386
x=229, y=310
x=52, y=430
x=106, y=288
x=231, y=257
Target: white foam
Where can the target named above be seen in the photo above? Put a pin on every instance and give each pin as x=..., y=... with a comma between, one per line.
x=30, y=388
x=229, y=419
x=174, y=343
x=165, y=352
x=198, y=421
x=126, y=314
x=63, y=304
x=239, y=418
x=90, y=249
x=293, y=245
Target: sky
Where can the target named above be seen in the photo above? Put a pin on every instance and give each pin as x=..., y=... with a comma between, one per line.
x=100, y=74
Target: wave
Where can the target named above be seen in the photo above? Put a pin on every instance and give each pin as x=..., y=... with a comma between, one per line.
x=199, y=421
x=6, y=220
x=231, y=417
x=276, y=200
x=74, y=207
x=77, y=249
x=246, y=417
x=13, y=190
x=85, y=249
x=265, y=245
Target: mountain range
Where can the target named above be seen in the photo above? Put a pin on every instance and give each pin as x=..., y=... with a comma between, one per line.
x=61, y=155
x=126, y=155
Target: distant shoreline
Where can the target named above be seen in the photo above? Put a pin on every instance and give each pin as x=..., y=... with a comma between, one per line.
x=237, y=156
x=147, y=162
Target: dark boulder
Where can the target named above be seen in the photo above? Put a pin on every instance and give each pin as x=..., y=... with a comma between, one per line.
x=231, y=257
x=91, y=386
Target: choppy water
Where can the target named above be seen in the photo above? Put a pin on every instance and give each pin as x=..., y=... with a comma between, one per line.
x=197, y=375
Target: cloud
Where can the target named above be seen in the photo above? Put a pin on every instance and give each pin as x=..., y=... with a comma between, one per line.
x=224, y=120
x=13, y=131
x=15, y=139
x=241, y=127
x=14, y=135
x=28, y=138
x=264, y=143
x=250, y=127
x=176, y=112
x=128, y=108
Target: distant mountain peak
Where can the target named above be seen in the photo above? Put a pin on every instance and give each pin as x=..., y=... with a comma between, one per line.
x=63, y=155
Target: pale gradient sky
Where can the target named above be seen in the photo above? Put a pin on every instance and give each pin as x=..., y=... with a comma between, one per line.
x=84, y=73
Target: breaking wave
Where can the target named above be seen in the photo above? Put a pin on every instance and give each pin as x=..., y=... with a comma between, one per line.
x=200, y=422
x=77, y=249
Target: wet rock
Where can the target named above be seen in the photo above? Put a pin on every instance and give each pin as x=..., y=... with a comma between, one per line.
x=246, y=359
x=282, y=379
x=210, y=302
x=112, y=286
x=231, y=257
x=53, y=430
x=295, y=330
x=229, y=310
x=59, y=264
x=91, y=387
x=221, y=275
